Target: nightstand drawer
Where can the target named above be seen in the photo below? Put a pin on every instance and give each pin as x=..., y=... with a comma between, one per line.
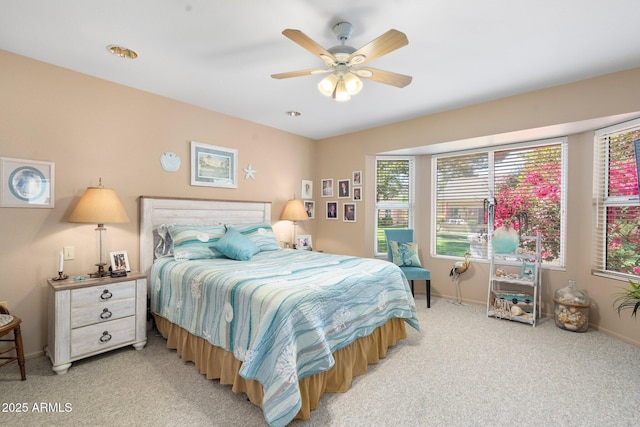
x=100, y=313
x=100, y=337
x=102, y=294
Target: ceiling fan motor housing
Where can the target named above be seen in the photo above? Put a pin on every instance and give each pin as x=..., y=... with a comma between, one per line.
x=343, y=31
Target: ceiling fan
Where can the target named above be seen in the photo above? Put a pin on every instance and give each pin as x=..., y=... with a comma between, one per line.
x=345, y=62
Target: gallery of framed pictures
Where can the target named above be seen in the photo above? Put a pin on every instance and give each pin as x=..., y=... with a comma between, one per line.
x=347, y=189
x=26, y=183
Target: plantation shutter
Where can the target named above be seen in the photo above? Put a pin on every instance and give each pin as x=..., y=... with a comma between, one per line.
x=616, y=236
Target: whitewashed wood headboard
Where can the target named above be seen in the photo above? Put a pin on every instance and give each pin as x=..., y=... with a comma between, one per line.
x=155, y=211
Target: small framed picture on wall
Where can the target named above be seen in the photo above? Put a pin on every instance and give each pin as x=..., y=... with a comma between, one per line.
x=310, y=208
x=327, y=187
x=332, y=210
x=344, y=189
x=357, y=194
x=349, y=212
x=307, y=189
x=357, y=177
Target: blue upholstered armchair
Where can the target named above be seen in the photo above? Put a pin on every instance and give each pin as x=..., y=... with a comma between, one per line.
x=411, y=272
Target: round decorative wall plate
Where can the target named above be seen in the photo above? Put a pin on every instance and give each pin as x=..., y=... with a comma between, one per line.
x=27, y=183
x=170, y=161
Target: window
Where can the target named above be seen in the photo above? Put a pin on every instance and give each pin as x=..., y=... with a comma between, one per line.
x=617, y=203
x=527, y=182
x=394, y=197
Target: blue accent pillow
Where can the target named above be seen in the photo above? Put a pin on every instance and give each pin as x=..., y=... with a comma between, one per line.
x=405, y=254
x=236, y=246
x=261, y=234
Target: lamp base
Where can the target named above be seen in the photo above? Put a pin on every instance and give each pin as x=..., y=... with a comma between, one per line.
x=100, y=272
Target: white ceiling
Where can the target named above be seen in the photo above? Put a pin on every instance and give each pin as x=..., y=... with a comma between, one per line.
x=220, y=54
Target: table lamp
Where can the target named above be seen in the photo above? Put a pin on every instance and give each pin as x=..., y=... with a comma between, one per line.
x=294, y=211
x=99, y=205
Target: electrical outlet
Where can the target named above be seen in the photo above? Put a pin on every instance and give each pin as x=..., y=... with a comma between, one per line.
x=69, y=252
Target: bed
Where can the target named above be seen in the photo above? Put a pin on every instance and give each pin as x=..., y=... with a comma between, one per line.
x=281, y=325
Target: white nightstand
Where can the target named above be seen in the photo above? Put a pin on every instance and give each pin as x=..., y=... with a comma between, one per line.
x=92, y=316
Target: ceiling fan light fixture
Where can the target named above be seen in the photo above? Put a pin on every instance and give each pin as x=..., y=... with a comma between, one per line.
x=328, y=84
x=340, y=93
x=352, y=83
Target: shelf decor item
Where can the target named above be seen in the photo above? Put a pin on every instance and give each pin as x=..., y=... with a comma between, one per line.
x=505, y=240
x=571, y=307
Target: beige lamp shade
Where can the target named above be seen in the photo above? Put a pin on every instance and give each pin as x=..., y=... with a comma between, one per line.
x=99, y=205
x=294, y=211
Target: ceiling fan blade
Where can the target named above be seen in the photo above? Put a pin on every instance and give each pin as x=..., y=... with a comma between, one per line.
x=303, y=40
x=386, y=77
x=308, y=72
x=386, y=43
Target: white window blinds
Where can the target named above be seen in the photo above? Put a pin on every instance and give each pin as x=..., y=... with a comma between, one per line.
x=616, y=235
x=527, y=182
x=394, y=196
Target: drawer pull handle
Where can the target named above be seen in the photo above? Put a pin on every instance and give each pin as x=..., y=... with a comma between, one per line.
x=105, y=314
x=105, y=337
x=106, y=295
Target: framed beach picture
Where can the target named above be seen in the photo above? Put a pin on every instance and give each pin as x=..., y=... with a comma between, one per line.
x=213, y=166
x=26, y=183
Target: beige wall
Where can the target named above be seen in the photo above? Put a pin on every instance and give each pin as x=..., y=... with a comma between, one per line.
x=91, y=128
x=605, y=96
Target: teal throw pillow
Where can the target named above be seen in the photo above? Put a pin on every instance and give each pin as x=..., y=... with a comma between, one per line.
x=236, y=246
x=405, y=254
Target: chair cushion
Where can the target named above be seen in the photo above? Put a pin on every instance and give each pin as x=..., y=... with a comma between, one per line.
x=405, y=254
x=416, y=273
x=5, y=319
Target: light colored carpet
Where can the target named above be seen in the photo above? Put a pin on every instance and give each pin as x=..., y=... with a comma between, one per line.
x=462, y=369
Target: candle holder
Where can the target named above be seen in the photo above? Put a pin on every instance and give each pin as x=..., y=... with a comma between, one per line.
x=61, y=276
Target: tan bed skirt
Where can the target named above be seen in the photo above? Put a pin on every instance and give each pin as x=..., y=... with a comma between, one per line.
x=352, y=360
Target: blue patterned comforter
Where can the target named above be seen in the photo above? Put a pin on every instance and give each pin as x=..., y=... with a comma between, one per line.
x=283, y=313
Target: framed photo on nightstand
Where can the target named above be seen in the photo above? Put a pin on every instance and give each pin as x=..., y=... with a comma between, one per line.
x=303, y=242
x=119, y=261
